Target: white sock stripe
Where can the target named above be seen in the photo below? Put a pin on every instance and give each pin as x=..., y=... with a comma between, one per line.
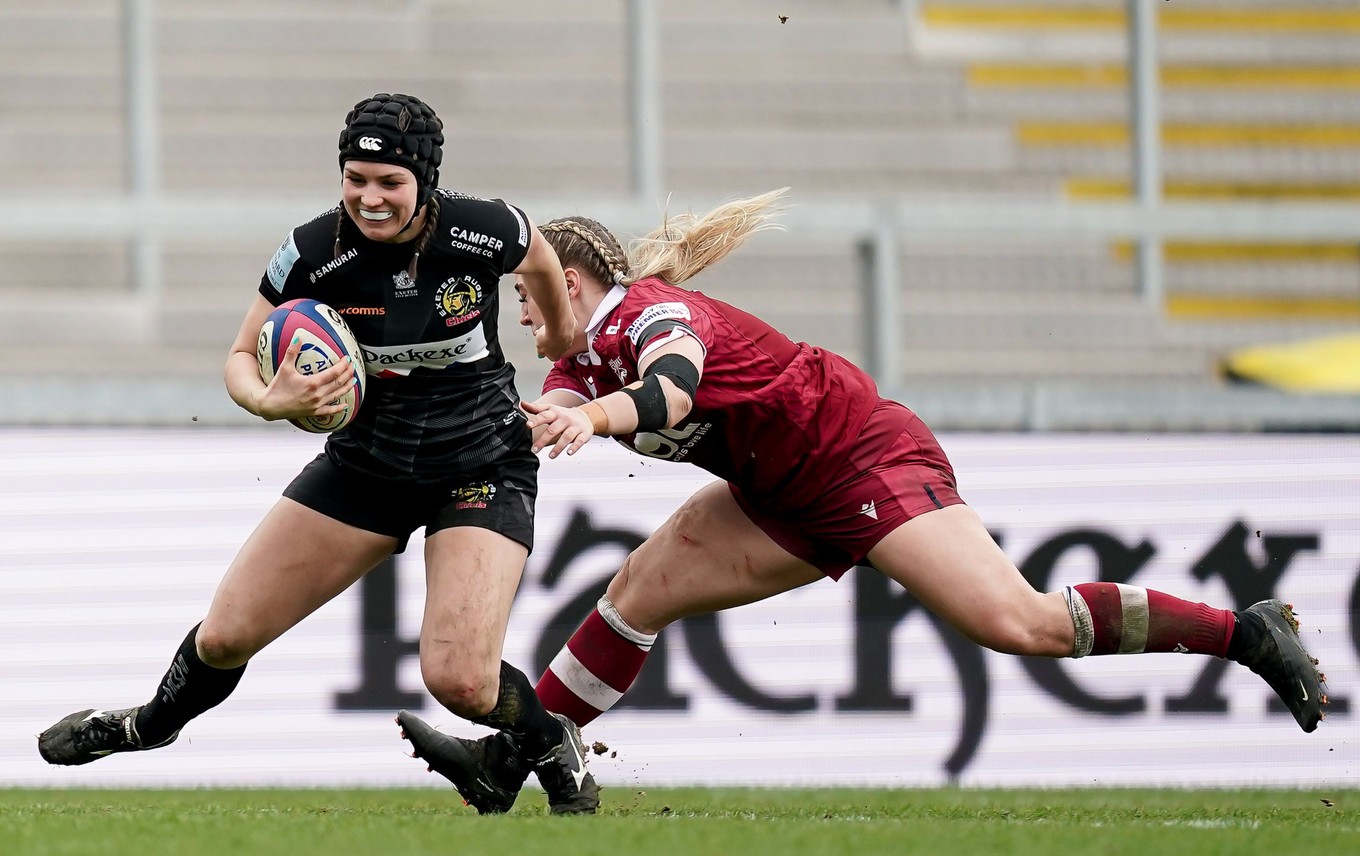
x=583, y=682
x=610, y=614
x=1133, y=601
x=1083, y=628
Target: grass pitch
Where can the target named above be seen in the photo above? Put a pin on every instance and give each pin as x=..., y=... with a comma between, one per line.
x=692, y=822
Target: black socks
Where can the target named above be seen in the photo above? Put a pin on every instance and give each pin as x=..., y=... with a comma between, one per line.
x=519, y=713
x=189, y=688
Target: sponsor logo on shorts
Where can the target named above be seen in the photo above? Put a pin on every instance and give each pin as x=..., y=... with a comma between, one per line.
x=476, y=495
x=362, y=310
x=459, y=299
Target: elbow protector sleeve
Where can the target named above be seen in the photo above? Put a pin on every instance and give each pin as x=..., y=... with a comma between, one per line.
x=681, y=372
x=650, y=400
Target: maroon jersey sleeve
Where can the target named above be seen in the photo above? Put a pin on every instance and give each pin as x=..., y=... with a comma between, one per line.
x=767, y=412
x=649, y=323
x=649, y=326
x=742, y=354
x=561, y=376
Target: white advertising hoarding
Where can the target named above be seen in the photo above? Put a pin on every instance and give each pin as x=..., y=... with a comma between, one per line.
x=112, y=543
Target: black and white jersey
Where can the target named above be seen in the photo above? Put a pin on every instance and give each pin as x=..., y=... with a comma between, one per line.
x=441, y=399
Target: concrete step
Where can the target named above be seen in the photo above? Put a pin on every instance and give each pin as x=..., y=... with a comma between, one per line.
x=1076, y=364
x=193, y=98
x=1204, y=164
x=1026, y=267
x=1236, y=105
x=795, y=268
x=935, y=148
x=192, y=341
x=1220, y=335
x=1321, y=278
x=62, y=273
x=64, y=27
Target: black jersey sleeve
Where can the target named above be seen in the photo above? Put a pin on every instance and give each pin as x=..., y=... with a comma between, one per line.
x=491, y=229
x=516, y=251
x=274, y=283
x=298, y=259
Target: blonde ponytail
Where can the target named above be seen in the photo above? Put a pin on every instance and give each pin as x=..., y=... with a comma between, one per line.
x=685, y=244
x=675, y=251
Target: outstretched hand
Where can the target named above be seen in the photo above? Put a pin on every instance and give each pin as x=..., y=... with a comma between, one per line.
x=290, y=394
x=564, y=428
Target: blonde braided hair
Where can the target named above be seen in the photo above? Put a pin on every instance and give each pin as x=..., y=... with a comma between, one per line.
x=582, y=242
x=674, y=251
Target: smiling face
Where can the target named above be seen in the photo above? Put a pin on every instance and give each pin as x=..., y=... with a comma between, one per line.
x=380, y=198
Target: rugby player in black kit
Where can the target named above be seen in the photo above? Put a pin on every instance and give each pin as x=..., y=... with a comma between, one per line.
x=439, y=442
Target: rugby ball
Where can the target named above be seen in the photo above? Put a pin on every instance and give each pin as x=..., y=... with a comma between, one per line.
x=326, y=340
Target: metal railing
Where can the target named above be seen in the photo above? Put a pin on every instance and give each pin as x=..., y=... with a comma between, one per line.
x=148, y=217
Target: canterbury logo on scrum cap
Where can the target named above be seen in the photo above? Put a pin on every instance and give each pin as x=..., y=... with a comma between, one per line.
x=370, y=144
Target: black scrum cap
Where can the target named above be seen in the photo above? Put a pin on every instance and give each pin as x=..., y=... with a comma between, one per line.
x=396, y=129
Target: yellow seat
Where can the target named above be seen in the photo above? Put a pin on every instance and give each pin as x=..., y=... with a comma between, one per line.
x=1329, y=365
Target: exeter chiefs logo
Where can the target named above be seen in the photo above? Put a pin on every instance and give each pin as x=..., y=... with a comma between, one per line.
x=405, y=285
x=457, y=300
x=475, y=495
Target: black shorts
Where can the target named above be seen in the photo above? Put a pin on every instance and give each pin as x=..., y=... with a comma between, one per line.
x=499, y=498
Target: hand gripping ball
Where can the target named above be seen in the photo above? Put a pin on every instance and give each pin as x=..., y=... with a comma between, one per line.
x=326, y=340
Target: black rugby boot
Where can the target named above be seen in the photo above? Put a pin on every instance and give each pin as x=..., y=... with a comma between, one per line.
x=88, y=735
x=1278, y=656
x=562, y=773
x=488, y=773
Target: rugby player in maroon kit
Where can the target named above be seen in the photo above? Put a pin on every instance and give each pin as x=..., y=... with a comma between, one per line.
x=818, y=473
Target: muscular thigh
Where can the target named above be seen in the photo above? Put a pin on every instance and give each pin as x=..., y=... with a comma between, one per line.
x=471, y=575
x=296, y=560
x=707, y=556
x=949, y=560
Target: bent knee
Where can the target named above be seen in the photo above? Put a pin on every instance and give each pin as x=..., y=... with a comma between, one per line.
x=1023, y=640
x=630, y=582
x=469, y=696
x=642, y=595
x=222, y=647
x=1036, y=630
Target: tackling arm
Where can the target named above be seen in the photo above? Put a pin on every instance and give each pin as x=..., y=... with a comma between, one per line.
x=661, y=399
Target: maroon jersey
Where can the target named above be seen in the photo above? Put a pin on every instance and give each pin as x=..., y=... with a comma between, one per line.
x=772, y=416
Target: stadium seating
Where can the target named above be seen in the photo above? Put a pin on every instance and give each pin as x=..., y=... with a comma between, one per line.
x=986, y=100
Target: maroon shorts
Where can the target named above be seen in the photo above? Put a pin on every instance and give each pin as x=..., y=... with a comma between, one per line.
x=897, y=472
